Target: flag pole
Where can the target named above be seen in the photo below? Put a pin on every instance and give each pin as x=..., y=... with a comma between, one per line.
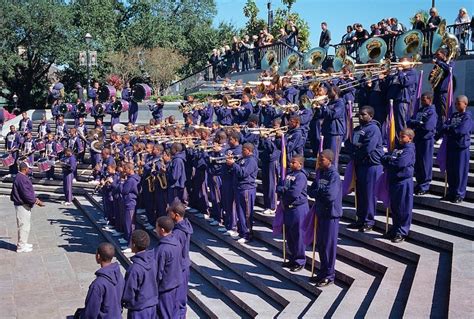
x=387, y=211
x=284, y=244
x=314, y=245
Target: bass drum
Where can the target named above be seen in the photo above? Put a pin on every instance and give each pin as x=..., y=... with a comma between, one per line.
x=106, y=92
x=141, y=92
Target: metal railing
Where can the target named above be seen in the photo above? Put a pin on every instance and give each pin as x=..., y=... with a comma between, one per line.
x=245, y=60
x=463, y=32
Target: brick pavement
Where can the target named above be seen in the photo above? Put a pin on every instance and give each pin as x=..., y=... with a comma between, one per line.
x=52, y=281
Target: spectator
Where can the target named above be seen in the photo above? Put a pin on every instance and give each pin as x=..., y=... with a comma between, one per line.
x=461, y=31
x=256, y=51
x=236, y=53
x=325, y=36
x=434, y=19
x=419, y=24
x=267, y=37
x=245, y=46
x=360, y=35
x=384, y=27
x=347, y=39
x=292, y=33
x=214, y=60
x=228, y=58
x=396, y=27
x=282, y=36
x=374, y=30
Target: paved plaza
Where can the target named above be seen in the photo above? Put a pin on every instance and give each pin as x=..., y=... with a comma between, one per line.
x=52, y=281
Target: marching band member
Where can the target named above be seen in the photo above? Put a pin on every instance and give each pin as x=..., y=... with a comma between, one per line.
x=182, y=231
x=400, y=86
x=334, y=122
x=366, y=150
x=50, y=154
x=76, y=113
x=69, y=166
x=248, y=136
x=269, y=112
x=214, y=179
x=12, y=145
x=327, y=193
x=114, y=116
x=224, y=115
x=290, y=93
x=44, y=128
x=270, y=156
x=25, y=125
x=157, y=110
x=148, y=183
x=424, y=123
x=61, y=128
x=168, y=255
x=110, y=183
x=457, y=130
x=161, y=189
x=229, y=186
x=92, y=92
x=400, y=163
x=315, y=123
x=375, y=90
x=175, y=173
x=206, y=114
x=440, y=96
x=96, y=113
x=199, y=181
x=140, y=293
x=242, y=113
x=295, y=207
x=130, y=189
x=193, y=116
x=245, y=171
x=294, y=137
x=28, y=149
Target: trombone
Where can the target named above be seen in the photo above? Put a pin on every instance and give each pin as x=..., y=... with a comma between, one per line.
x=265, y=131
x=223, y=159
x=287, y=108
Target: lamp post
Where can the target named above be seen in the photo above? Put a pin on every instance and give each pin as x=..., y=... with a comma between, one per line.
x=88, y=39
x=270, y=15
x=15, y=102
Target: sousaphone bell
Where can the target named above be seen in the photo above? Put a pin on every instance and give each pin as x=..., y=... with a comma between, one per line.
x=409, y=44
x=373, y=49
x=289, y=63
x=314, y=58
x=269, y=61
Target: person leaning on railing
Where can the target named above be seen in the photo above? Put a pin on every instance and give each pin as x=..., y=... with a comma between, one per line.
x=434, y=19
x=462, y=30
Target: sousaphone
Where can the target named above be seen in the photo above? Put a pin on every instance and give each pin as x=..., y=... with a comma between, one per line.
x=314, y=58
x=97, y=146
x=342, y=59
x=373, y=49
x=269, y=61
x=289, y=63
x=409, y=44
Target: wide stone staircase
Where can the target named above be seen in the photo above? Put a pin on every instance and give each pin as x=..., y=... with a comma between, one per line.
x=429, y=275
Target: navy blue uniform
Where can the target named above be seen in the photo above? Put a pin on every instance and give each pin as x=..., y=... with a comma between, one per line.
x=366, y=150
x=327, y=194
x=183, y=231
x=424, y=125
x=400, y=163
x=294, y=199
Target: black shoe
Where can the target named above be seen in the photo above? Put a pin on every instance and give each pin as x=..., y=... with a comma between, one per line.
x=287, y=264
x=324, y=282
x=296, y=268
x=354, y=226
x=365, y=228
x=447, y=198
x=388, y=235
x=420, y=193
x=398, y=239
x=315, y=280
x=456, y=200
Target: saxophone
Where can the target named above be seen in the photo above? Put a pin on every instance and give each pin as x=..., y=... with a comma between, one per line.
x=151, y=179
x=161, y=176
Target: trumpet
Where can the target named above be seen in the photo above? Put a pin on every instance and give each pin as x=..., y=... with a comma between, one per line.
x=231, y=103
x=266, y=100
x=265, y=131
x=318, y=100
x=287, y=108
x=223, y=159
x=190, y=107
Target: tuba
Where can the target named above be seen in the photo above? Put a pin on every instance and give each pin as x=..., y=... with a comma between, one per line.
x=373, y=49
x=314, y=58
x=442, y=38
x=269, y=61
x=99, y=110
x=409, y=44
x=289, y=63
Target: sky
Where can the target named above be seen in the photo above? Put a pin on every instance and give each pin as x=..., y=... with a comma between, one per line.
x=340, y=13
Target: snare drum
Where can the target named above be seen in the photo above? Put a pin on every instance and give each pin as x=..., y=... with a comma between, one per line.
x=43, y=165
x=58, y=148
x=40, y=145
x=7, y=160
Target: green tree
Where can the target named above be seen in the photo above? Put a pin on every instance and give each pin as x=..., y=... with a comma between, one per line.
x=162, y=64
x=254, y=24
x=35, y=35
